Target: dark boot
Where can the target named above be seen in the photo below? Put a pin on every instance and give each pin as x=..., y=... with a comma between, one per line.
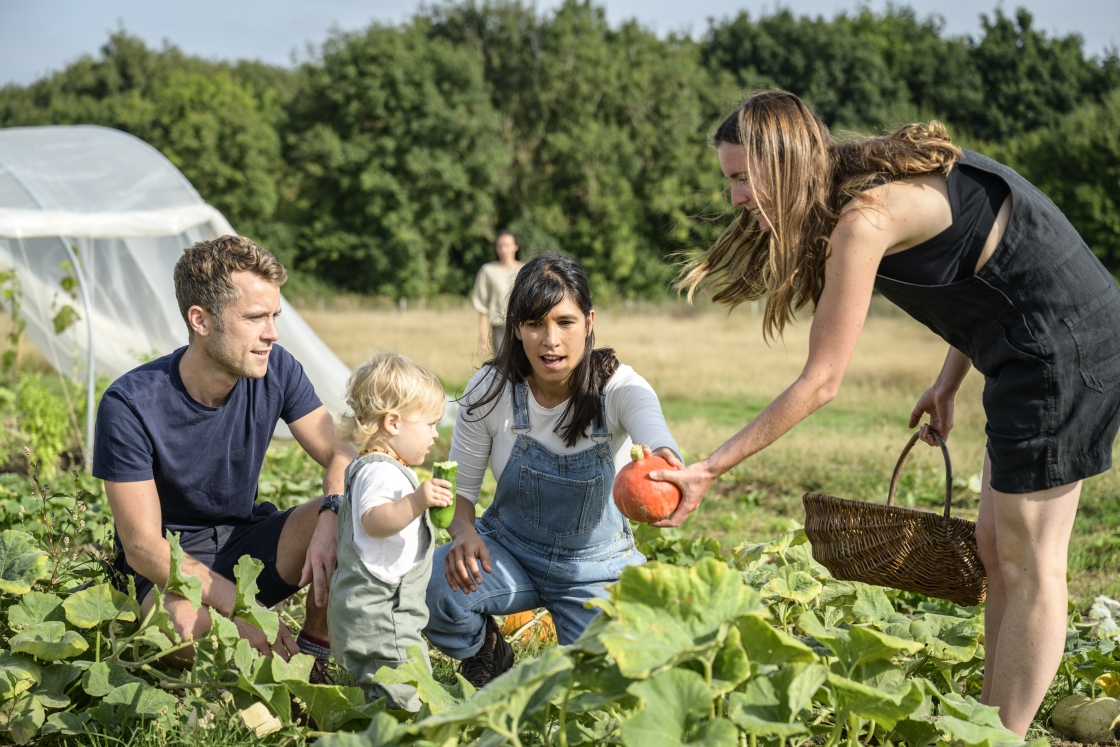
x=494, y=658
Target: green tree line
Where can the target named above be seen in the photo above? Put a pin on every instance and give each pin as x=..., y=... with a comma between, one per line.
x=387, y=163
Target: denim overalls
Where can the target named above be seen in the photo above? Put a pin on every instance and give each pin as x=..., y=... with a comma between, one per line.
x=555, y=538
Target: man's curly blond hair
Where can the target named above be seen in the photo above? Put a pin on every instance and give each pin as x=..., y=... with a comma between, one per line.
x=387, y=383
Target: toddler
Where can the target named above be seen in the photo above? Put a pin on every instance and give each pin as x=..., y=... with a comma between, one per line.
x=385, y=539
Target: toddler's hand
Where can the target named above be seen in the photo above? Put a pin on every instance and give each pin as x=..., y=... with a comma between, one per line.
x=433, y=494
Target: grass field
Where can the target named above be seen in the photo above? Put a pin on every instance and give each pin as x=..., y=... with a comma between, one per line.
x=713, y=373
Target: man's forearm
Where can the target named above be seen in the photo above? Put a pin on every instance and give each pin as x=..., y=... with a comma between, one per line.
x=334, y=479
x=154, y=563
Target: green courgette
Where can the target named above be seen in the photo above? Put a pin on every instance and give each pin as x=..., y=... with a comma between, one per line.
x=443, y=515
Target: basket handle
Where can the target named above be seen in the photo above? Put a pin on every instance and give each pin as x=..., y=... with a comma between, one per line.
x=948, y=469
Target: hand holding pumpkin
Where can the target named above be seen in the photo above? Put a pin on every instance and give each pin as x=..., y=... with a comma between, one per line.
x=693, y=482
x=640, y=498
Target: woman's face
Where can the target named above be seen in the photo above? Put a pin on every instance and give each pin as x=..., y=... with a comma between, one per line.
x=506, y=248
x=554, y=345
x=733, y=161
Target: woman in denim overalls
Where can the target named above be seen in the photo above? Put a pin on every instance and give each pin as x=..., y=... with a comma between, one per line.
x=558, y=413
x=998, y=273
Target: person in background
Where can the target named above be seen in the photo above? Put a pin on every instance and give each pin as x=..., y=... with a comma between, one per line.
x=491, y=290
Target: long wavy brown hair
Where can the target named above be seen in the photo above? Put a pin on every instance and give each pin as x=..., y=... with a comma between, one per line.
x=806, y=177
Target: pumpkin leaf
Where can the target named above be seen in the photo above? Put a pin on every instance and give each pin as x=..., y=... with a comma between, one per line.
x=245, y=604
x=668, y=614
x=17, y=674
x=58, y=676
x=141, y=699
x=188, y=587
x=856, y=646
x=48, y=641
x=948, y=638
x=329, y=705
x=437, y=696
x=65, y=723
x=766, y=644
x=35, y=607
x=674, y=702
x=794, y=584
x=885, y=708
x=102, y=678
x=90, y=607
x=23, y=718
x=22, y=563
x=760, y=711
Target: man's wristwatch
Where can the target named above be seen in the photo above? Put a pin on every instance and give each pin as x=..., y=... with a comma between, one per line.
x=331, y=502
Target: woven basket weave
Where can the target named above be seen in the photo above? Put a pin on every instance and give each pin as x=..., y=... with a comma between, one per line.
x=898, y=547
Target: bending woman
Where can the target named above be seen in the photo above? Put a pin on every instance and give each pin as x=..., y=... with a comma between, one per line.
x=972, y=250
x=551, y=415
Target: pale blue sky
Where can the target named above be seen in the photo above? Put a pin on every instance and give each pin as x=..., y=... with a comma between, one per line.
x=40, y=36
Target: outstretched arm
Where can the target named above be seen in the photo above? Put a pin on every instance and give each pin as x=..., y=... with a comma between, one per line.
x=857, y=247
x=315, y=433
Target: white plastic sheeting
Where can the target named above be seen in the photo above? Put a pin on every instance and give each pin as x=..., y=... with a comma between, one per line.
x=127, y=214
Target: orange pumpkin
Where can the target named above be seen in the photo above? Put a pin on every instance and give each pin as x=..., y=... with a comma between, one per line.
x=640, y=498
x=539, y=629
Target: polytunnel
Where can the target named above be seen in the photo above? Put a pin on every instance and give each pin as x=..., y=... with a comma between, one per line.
x=120, y=214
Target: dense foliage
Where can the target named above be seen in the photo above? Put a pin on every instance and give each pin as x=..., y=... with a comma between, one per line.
x=698, y=646
x=387, y=163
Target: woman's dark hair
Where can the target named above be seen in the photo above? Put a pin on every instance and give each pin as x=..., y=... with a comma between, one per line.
x=506, y=232
x=541, y=284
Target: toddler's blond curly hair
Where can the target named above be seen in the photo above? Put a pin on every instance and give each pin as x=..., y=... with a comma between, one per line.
x=387, y=383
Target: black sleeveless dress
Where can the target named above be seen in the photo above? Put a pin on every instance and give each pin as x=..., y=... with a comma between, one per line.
x=1041, y=321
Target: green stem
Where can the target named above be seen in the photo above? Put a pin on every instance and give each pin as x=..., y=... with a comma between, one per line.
x=97, y=648
x=754, y=740
x=870, y=733
x=834, y=735
x=854, y=725
x=564, y=716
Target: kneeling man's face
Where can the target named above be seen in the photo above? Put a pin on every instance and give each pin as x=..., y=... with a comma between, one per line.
x=242, y=346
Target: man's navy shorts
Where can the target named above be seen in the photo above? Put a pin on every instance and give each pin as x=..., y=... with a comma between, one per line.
x=219, y=548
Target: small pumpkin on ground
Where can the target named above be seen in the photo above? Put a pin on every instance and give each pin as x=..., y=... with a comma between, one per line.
x=1086, y=720
x=529, y=627
x=637, y=496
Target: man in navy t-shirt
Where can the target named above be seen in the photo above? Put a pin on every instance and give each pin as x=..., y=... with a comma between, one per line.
x=180, y=443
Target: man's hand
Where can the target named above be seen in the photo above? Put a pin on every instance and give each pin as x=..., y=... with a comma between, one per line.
x=285, y=646
x=322, y=557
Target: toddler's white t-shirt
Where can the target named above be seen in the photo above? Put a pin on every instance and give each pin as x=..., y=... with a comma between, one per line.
x=387, y=558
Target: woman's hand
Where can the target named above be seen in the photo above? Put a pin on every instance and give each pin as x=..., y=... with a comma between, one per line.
x=468, y=552
x=939, y=403
x=693, y=481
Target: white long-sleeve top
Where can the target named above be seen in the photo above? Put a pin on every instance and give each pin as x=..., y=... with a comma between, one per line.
x=633, y=415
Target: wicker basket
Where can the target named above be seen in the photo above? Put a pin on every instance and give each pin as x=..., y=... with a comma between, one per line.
x=898, y=547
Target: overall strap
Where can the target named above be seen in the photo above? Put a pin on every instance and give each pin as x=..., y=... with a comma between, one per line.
x=520, y=408
x=362, y=461
x=599, y=432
